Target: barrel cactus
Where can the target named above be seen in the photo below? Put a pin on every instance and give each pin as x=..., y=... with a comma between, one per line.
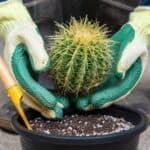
x=80, y=56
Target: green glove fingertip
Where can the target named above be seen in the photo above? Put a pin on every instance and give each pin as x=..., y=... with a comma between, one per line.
x=97, y=100
x=82, y=103
x=63, y=102
x=58, y=112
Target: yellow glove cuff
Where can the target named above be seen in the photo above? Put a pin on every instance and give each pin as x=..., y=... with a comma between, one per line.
x=140, y=19
x=14, y=10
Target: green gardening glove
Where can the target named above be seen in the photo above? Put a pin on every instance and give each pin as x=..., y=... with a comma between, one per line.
x=130, y=48
x=26, y=57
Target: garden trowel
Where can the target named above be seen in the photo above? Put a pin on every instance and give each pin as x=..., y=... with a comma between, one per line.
x=14, y=91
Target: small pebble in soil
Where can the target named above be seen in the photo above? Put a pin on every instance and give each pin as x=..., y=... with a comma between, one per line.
x=82, y=125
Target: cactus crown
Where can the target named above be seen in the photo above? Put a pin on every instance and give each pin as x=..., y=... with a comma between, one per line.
x=80, y=56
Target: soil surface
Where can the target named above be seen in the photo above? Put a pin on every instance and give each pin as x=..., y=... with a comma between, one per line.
x=82, y=125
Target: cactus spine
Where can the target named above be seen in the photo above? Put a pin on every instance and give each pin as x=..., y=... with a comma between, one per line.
x=80, y=55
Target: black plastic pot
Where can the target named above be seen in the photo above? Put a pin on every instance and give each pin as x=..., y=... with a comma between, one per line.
x=115, y=13
x=127, y=140
x=45, y=10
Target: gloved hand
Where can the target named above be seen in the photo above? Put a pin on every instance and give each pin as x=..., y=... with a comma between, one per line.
x=26, y=57
x=130, y=47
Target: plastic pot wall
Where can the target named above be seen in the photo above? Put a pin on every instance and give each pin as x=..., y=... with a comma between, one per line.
x=45, y=10
x=127, y=140
x=112, y=12
x=115, y=13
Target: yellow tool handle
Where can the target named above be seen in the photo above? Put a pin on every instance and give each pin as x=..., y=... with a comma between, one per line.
x=14, y=91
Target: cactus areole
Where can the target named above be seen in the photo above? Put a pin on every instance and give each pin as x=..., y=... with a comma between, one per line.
x=80, y=55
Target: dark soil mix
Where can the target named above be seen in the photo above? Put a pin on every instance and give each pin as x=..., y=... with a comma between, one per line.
x=82, y=125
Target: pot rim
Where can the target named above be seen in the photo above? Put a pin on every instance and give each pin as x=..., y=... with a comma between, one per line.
x=140, y=127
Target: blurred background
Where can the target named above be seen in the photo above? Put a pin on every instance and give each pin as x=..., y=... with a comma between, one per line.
x=114, y=13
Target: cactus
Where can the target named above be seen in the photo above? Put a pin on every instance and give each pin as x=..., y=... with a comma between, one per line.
x=80, y=55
